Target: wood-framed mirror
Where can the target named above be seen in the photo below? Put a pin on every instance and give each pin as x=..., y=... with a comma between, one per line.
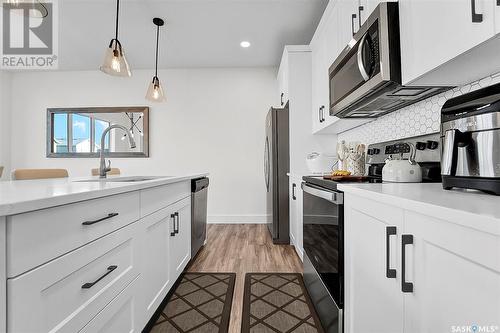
x=76, y=132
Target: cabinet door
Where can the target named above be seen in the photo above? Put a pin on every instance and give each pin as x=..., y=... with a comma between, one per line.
x=299, y=198
x=293, y=212
x=156, y=273
x=445, y=27
x=348, y=24
x=119, y=315
x=373, y=301
x=283, y=81
x=455, y=272
x=180, y=241
x=319, y=82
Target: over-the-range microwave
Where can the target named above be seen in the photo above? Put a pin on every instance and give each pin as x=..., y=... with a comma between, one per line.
x=365, y=79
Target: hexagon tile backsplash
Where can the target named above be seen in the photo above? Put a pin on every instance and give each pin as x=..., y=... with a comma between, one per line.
x=420, y=118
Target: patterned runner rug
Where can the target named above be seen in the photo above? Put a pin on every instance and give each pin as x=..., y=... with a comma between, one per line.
x=201, y=303
x=277, y=303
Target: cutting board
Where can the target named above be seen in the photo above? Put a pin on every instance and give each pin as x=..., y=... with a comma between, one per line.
x=346, y=178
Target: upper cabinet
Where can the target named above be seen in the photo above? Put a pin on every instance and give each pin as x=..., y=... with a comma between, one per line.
x=439, y=39
x=336, y=28
x=283, y=82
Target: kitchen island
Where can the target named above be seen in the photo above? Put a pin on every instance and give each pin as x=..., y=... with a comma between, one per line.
x=88, y=254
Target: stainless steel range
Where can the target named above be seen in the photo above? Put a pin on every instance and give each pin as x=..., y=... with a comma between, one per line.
x=324, y=223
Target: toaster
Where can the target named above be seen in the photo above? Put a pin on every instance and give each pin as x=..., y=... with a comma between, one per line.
x=470, y=136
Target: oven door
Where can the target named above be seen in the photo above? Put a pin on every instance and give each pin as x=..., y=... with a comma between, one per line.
x=324, y=253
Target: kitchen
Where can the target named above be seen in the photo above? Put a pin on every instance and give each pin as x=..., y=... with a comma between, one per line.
x=334, y=171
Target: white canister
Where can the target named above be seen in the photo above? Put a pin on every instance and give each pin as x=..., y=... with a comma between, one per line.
x=356, y=164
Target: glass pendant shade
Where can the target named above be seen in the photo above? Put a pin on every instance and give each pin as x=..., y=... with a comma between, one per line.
x=155, y=91
x=115, y=62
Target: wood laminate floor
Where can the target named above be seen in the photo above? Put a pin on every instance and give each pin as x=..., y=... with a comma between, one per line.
x=243, y=248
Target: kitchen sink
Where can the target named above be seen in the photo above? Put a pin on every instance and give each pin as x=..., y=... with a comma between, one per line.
x=122, y=179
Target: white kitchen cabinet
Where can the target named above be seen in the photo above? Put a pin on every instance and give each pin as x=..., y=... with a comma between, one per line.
x=180, y=240
x=373, y=301
x=66, y=293
x=366, y=8
x=157, y=281
x=455, y=272
x=439, y=39
x=450, y=279
x=296, y=215
x=334, y=32
x=283, y=80
x=119, y=314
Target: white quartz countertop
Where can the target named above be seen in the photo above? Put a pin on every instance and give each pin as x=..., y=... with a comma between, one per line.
x=467, y=207
x=22, y=196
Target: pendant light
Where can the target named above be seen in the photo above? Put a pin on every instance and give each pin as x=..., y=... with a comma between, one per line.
x=115, y=62
x=155, y=91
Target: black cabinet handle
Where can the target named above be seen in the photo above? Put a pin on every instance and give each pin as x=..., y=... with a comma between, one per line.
x=476, y=17
x=111, y=215
x=390, y=273
x=294, y=186
x=406, y=287
x=89, y=285
x=353, y=17
x=281, y=99
x=176, y=217
x=498, y=2
x=320, y=116
x=172, y=216
x=323, y=113
x=360, y=9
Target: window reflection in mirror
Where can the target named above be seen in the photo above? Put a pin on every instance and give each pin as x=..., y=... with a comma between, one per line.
x=77, y=132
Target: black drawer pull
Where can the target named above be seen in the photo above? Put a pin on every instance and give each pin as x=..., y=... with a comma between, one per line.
x=89, y=285
x=360, y=9
x=281, y=99
x=406, y=287
x=172, y=216
x=353, y=17
x=111, y=215
x=176, y=216
x=390, y=273
x=294, y=186
x=476, y=17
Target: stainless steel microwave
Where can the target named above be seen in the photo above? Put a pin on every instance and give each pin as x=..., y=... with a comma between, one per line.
x=365, y=79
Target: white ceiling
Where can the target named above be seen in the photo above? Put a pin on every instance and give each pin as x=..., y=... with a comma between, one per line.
x=197, y=33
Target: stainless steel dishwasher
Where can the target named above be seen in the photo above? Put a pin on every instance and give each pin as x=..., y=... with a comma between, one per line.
x=199, y=196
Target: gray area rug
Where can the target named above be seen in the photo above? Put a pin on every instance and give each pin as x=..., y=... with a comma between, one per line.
x=277, y=303
x=201, y=303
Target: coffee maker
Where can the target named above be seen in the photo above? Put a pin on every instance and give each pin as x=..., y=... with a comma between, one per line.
x=470, y=136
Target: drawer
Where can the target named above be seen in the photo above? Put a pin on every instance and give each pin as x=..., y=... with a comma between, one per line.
x=37, y=237
x=65, y=294
x=121, y=315
x=156, y=198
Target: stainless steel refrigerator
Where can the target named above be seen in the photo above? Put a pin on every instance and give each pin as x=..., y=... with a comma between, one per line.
x=276, y=167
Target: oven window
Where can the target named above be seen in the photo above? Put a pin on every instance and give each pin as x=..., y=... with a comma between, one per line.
x=323, y=242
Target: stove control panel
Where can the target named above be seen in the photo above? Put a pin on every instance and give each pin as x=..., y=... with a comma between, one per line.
x=427, y=149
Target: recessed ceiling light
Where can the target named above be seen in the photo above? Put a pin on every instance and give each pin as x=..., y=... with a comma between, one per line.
x=245, y=44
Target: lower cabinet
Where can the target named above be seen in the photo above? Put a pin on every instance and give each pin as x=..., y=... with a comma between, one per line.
x=120, y=314
x=296, y=219
x=455, y=274
x=408, y=272
x=373, y=301
x=156, y=259
x=180, y=240
x=113, y=283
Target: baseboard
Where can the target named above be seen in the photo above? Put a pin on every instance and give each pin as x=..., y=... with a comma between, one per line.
x=237, y=219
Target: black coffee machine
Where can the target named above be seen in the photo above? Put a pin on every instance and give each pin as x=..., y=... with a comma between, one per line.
x=470, y=136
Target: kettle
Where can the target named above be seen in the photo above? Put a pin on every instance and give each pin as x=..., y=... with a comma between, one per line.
x=402, y=170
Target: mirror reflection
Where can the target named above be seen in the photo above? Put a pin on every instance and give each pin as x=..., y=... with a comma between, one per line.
x=77, y=132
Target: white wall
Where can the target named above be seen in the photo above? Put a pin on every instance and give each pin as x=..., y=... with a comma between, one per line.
x=213, y=121
x=5, y=99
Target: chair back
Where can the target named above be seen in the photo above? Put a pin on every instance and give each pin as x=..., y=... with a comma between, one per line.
x=25, y=174
x=113, y=172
